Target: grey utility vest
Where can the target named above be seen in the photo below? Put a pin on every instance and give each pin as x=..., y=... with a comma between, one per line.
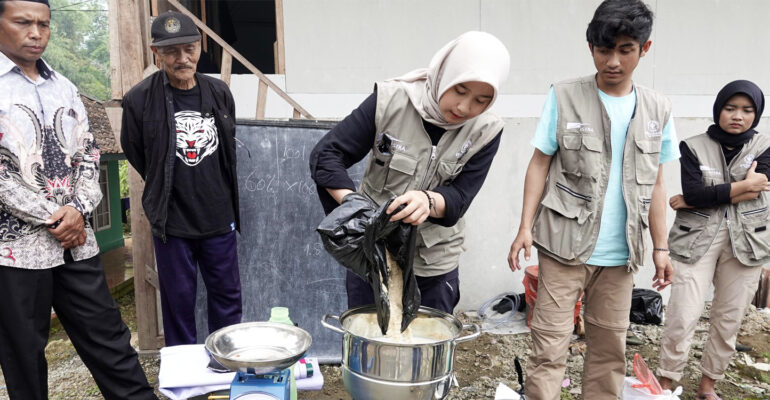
x=567, y=222
x=403, y=158
x=748, y=221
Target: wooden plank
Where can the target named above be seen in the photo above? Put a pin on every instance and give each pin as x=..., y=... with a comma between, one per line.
x=204, y=42
x=227, y=67
x=241, y=59
x=129, y=44
x=261, y=99
x=296, y=114
x=280, y=50
x=151, y=276
x=154, y=8
x=144, y=25
x=131, y=47
x=143, y=256
x=116, y=89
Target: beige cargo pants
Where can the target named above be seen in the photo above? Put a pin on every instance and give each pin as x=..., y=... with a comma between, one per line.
x=607, y=302
x=734, y=286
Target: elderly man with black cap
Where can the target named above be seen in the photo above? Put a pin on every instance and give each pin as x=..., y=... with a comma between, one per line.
x=179, y=134
x=49, y=185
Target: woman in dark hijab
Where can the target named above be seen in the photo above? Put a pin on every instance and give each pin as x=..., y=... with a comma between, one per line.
x=720, y=234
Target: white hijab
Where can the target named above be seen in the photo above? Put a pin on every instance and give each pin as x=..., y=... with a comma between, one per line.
x=473, y=56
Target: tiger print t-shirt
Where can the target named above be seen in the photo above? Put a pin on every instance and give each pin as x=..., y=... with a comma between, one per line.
x=201, y=205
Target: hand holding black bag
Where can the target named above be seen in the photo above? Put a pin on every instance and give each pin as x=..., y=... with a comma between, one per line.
x=357, y=234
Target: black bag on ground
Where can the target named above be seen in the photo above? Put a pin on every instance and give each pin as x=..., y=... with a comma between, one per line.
x=646, y=307
x=356, y=234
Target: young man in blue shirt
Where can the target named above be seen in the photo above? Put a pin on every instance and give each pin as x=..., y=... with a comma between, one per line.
x=599, y=143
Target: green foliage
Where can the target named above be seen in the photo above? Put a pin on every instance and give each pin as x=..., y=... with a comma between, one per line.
x=123, y=178
x=79, y=44
x=123, y=175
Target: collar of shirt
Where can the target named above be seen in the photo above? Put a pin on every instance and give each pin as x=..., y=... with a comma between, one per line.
x=6, y=66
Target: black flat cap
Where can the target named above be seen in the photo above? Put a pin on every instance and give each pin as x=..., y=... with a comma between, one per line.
x=173, y=27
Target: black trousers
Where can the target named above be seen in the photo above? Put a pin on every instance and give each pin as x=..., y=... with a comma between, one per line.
x=441, y=292
x=78, y=292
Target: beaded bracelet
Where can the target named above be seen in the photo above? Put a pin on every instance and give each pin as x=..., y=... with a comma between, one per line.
x=431, y=206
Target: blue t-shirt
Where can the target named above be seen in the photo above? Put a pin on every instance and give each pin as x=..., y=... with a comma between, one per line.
x=611, y=247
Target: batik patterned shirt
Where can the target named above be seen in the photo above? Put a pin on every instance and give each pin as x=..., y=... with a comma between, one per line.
x=48, y=159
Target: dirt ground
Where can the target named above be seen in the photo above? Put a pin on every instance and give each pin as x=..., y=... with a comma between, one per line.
x=480, y=365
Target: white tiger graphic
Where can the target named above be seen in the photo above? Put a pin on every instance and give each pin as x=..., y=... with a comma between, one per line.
x=196, y=137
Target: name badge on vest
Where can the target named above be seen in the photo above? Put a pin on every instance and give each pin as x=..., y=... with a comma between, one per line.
x=582, y=127
x=653, y=129
x=709, y=171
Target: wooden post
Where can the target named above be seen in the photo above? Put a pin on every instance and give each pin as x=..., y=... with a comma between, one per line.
x=226, y=69
x=280, y=49
x=261, y=99
x=129, y=40
x=144, y=30
x=116, y=87
x=204, y=42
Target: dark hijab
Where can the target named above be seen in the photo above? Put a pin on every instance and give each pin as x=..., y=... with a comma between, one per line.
x=731, y=89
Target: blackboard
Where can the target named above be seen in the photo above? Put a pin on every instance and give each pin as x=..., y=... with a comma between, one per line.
x=282, y=260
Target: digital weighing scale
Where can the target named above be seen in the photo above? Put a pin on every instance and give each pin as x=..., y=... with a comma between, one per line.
x=261, y=354
x=270, y=386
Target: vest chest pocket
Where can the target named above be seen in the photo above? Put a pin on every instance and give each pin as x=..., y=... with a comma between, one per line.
x=440, y=243
x=647, y=160
x=689, y=225
x=755, y=226
x=400, y=173
x=447, y=171
x=581, y=155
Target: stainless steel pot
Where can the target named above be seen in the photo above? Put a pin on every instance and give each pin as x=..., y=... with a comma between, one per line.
x=373, y=369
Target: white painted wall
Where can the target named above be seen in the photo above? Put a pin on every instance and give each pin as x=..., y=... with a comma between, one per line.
x=337, y=49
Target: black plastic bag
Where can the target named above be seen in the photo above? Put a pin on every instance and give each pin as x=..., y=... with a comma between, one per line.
x=356, y=234
x=646, y=307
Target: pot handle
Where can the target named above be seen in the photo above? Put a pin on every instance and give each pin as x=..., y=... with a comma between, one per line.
x=330, y=326
x=474, y=335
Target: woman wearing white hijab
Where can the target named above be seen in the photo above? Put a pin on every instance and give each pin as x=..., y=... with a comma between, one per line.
x=430, y=141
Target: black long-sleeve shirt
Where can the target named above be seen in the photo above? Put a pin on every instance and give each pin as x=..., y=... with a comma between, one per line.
x=352, y=139
x=697, y=194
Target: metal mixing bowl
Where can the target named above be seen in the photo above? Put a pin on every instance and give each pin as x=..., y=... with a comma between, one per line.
x=261, y=346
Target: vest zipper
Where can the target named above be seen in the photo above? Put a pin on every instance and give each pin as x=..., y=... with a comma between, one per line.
x=573, y=193
x=698, y=213
x=427, y=168
x=752, y=212
x=726, y=178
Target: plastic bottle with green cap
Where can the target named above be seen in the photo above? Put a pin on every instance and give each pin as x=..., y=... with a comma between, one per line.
x=281, y=316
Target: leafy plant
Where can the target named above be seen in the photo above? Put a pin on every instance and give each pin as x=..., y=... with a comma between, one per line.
x=123, y=179
x=79, y=44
